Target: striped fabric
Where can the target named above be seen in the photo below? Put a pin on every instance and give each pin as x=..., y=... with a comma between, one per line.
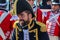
x=51, y=25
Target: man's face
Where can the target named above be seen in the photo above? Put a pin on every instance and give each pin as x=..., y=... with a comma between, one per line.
x=24, y=18
x=55, y=7
x=31, y=2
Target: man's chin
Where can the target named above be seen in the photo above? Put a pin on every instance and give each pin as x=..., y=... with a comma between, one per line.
x=22, y=23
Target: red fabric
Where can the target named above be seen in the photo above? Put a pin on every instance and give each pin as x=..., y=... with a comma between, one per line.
x=7, y=25
x=1, y=38
x=1, y=13
x=57, y=27
x=47, y=17
x=39, y=15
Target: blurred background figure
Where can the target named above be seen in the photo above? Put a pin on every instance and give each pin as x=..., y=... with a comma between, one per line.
x=49, y=4
x=13, y=9
x=53, y=21
x=31, y=2
x=39, y=11
x=46, y=4
x=5, y=21
x=38, y=3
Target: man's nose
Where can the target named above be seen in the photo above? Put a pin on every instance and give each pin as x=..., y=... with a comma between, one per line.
x=21, y=17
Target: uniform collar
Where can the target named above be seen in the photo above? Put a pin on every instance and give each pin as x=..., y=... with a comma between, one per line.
x=31, y=24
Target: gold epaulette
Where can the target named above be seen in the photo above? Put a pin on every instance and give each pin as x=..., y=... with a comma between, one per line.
x=43, y=26
x=14, y=25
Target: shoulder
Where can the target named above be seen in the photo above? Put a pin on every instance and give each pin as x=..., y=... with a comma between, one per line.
x=42, y=26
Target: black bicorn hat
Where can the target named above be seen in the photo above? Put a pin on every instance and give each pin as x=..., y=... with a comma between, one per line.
x=3, y=2
x=56, y=2
x=23, y=5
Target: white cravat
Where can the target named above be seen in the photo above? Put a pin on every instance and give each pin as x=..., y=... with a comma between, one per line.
x=26, y=34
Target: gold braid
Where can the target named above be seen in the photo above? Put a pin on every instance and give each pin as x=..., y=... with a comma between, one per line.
x=16, y=33
x=14, y=9
x=29, y=27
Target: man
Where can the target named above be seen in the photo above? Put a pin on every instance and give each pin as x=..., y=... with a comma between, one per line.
x=41, y=15
x=53, y=21
x=5, y=22
x=26, y=28
x=48, y=4
x=39, y=12
x=13, y=10
x=31, y=2
x=12, y=6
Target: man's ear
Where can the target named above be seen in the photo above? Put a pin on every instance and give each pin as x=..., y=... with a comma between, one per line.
x=18, y=15
x=30, y=15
